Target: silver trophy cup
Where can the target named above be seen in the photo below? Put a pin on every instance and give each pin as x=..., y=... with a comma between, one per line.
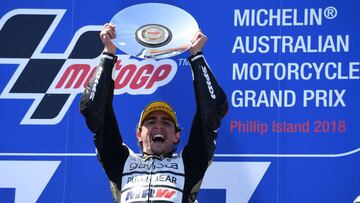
x=154, y=30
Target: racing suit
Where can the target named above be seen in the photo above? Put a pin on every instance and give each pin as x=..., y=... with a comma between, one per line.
x=152, y=178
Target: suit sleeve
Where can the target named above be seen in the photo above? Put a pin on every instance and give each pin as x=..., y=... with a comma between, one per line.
x=96, y=106
x=211, y=107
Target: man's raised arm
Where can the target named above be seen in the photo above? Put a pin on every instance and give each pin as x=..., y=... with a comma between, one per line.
x=211, y=103
x=96, y=106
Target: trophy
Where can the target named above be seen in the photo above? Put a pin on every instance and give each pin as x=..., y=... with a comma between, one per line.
x=154, y=30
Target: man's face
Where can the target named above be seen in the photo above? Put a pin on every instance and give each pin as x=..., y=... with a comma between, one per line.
x=158, y=134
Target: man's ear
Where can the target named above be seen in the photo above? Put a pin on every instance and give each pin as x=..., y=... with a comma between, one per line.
x=138, y=135
x=177, y=138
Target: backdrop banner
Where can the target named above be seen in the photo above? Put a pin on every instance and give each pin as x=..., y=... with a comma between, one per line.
x=290, y=70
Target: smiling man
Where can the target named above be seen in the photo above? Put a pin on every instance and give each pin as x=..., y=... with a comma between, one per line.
x=158, y=130
x=158, y=175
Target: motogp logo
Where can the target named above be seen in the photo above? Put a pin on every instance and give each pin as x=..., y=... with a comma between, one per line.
x=53, y=80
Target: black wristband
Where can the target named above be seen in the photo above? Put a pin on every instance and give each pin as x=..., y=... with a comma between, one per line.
x=109, y=56
x=197, y=54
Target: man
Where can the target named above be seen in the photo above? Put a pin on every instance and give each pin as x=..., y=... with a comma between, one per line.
x=157, y=175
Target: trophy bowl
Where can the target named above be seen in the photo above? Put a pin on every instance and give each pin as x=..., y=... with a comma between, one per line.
x=153, y=30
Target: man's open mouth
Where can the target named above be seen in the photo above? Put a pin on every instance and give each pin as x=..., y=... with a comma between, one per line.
x=158, y=138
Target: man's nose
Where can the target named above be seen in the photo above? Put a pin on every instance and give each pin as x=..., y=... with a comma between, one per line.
x=158, y=124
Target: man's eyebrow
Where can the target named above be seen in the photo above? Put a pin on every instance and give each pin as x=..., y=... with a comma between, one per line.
x=162, y=118
x=166, y=118
x=149, y=118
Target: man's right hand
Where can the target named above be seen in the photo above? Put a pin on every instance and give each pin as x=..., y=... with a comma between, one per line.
x=106, y=35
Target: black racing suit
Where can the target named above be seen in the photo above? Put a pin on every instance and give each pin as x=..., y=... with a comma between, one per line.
x=155, y=174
